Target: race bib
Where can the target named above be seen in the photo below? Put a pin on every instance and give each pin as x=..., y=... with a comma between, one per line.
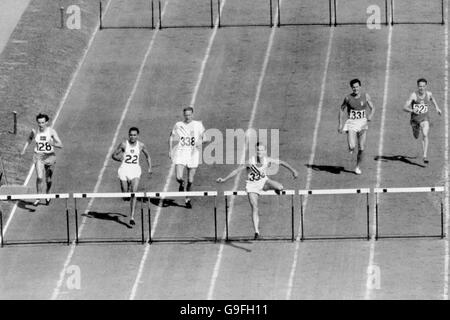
x=357, y=114
x=419, y=108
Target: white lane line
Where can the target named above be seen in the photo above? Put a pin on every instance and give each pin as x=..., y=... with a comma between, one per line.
x=370, y=267
x=60, y=107
x=67, y=262
x=216, y=269
x=172, y=168
x=311, y=160
x=446, y=159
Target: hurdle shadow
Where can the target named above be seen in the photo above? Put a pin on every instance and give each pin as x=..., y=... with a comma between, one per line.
x=24, y=205
x=327, y=168
x=164, y=203
x=109, y=216
x=399, y=158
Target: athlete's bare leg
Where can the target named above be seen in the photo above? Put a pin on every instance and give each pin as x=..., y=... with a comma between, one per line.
x=273, y=185
x=253, y=199
x=351, y=139
x=40, y=172
x=425, y=127
x=191, y=174
x=133, y=188
x=179, y=171
x=361, y=144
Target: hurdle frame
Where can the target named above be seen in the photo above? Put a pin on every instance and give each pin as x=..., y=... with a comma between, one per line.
x=378, y=191
x=163, y=195
x=442, y=22
x=114, y=195
x=304, y=193
x=41, y=196
x=270, y=25
x=264, y=193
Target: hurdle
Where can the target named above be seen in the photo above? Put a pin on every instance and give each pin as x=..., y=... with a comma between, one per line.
x=263, y=193
x=379, y=191
x=36, y=197
x=140, y=196
x=304, y=193
x=164, y=195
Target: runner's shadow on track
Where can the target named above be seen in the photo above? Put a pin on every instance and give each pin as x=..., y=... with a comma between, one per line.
x=110, y=216
x=24, y=205
x=164, y=203
x=399, y=158
x=330, y=169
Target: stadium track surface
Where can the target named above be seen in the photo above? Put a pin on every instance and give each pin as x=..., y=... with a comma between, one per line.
x=289, y=99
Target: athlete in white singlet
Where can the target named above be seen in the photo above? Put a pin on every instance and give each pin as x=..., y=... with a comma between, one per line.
x=186, y=154
x=418, y=105
x=356, y=106
x=257, y=180
x=128, y=153
x=45, y=141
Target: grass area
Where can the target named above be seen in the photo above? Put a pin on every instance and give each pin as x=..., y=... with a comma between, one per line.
x=35, y=70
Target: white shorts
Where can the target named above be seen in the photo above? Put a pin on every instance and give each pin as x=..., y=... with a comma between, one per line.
x=256, y=186
x=187, y=157
x=356, y=125
x=128, y=173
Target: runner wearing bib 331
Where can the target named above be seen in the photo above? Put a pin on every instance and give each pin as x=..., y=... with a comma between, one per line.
x=45, y=141
x=258, y=181
x=418, y=105
x=359, y=110
x=128, y=153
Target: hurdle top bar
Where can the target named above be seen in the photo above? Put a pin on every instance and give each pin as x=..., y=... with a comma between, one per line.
x=334, y=191
x=110, y=195
x=263, y=193
x=408, y=190
x=181, y=194
x=39, y=196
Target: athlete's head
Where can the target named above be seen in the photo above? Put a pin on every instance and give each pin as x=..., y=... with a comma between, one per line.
x=133, y=134
x=260, y=150
x=42, y=120
x=355, y=84
x=188, y=114
x=421, y=85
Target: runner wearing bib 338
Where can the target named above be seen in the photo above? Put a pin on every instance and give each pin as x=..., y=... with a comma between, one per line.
x=128, y=153
x=258, y=181
x=45, y=141
x=359, y=110
x=418, y=105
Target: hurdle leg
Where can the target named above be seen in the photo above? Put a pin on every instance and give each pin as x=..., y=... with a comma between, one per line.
x=335, y=13
x=100, y=15
x=153, y=16
x=226, y=218
x=392, y=12
x=67, y=221
x=218, y=12
x=270, y=13
x=368, y=217
x=330, y=13
x=159, y=10
x=212, y=13
x=215, y=218
x=149, y=222
x=142, y=222
x=76, y=221
x=386, y=11
x=376, y=216
x=279, y=13
x=1, y=228
x=442, y=219
x=301, y=219
x=292, y=218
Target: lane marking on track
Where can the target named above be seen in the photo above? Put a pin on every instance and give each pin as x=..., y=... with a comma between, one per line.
x=216, y=269
x=60, y=107
x=172, y=168
x=106, y=161
x=370, y=267
x=311, y=161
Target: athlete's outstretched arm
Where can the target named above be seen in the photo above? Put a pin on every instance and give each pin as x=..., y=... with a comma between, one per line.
x=288, y=166
x=232, y=173
x=433, y=100
x=147, y=155
x=56, y=140
x=371, y=106
x=116, y=154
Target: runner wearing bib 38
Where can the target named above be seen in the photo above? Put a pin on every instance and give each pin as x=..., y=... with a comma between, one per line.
x=359, y=110
x=45, y=141
x=418, y=105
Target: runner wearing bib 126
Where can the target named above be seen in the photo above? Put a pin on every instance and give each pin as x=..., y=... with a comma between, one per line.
x=45, y=141
x=359, y=110
x=419, y=104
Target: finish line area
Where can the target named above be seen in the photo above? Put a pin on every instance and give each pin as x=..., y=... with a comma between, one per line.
x=289, y=208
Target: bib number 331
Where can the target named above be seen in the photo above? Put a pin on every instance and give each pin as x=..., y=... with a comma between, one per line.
x=357, y=114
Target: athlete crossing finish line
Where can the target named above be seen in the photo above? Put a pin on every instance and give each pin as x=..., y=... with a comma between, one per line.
x=186, y=154
x=46, y=140
x=128, y=152
x=356, y=105
x=257, y=180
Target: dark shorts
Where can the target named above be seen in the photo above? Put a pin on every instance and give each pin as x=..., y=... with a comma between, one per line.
x=416, y=127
